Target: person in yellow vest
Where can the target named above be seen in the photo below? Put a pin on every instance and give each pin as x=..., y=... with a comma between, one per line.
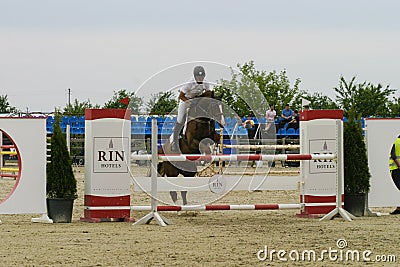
x=394, y=163
x=249, y=125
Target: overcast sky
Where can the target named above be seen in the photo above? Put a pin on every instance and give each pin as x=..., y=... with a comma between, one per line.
x=96, y=47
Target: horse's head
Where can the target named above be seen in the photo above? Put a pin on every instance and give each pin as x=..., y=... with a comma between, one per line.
x=207, y=106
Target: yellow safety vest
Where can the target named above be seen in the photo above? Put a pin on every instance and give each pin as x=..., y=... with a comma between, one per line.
x=392, y=164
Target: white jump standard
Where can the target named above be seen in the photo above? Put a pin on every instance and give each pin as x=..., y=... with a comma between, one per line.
x=107, y=148
x=28, y=196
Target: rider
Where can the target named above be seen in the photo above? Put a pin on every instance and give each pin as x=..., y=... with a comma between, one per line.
x=195, y=87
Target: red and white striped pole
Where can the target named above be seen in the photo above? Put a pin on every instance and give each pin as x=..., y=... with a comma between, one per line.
x=219, y=207
x=235, y=157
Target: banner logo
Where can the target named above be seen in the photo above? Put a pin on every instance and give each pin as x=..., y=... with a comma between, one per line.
x=110, y=154
x=322, y=147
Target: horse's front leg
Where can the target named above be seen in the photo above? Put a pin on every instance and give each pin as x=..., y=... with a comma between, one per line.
x=165, y=168
x=174, y=197
x=188, y=173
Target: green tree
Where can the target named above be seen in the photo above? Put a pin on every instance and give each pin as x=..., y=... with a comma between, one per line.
x=161, y=103
x=320, y=101
x=135, y=102
x=61, y=182
x=259, y=89
x=394, y=107
x=356, y=171
x=78, y=108
x=238, y=93
x=5, y=106
x=367, y=99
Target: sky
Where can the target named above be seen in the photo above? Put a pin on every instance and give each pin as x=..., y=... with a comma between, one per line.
x=96, y=47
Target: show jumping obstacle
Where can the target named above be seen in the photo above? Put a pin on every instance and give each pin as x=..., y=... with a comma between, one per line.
x=107, y=150
x=321, y=179
x=28, y=138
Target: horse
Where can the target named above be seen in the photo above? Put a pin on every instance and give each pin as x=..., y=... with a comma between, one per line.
x=200, y=132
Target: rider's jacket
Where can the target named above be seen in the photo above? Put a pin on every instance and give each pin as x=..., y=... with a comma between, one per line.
x=192, y=89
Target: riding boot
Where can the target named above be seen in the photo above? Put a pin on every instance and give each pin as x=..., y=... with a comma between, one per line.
x=175, y=140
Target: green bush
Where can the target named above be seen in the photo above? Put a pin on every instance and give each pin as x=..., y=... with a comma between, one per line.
x=356, y=170
x=61, y=182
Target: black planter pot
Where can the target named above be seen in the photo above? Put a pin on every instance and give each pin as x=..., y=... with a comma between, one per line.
x=355, y=203
x=60, y=209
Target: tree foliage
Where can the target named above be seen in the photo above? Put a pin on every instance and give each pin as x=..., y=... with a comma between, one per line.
x=161, y=103
x=320, y=101
x=239, y=93
x=367, y=99
x=61, y=182
x=356, y=171
x=259, y=89
x=135, y=102
x=78, y=108
x=5, y=106
x=394, y=107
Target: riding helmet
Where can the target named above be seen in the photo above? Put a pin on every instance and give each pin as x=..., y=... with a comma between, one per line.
x=199, y=71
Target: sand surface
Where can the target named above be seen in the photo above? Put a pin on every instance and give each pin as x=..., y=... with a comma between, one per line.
x=216, y=238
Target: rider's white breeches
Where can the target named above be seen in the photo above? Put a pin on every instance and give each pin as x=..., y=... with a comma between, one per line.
x=182, y=111
x=181, y=118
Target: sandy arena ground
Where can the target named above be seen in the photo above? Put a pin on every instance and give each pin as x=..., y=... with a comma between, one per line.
x=220, y=238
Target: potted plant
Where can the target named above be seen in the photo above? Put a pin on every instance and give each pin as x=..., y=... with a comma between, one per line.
x=61, y=183
x=356, y=170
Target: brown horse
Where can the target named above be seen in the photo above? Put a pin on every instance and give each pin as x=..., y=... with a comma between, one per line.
x=200, y=132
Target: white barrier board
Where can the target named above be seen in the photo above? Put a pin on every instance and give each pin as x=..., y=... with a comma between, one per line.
x=107, y=151
x=319, y=137
x=29, y=192
x=229, y=182
x=380, y=136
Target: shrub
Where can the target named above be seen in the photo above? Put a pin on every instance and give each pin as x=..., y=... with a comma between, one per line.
x=356, y=170
x=61, y=182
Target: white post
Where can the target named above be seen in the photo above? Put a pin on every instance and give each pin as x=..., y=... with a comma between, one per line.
x=154, y=161
x=68, y=134
x=339, y=178
x=221, y=148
